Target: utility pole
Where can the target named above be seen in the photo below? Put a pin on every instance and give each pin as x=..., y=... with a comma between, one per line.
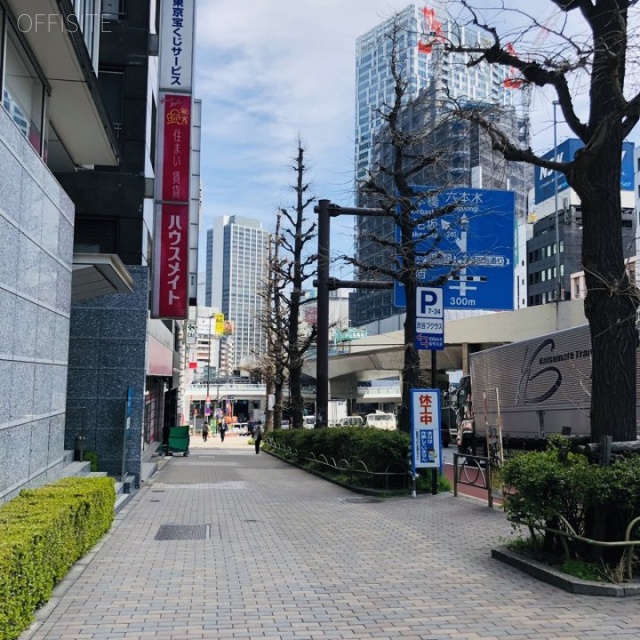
x=557, y=229
x=326, y=210
x=207, y=402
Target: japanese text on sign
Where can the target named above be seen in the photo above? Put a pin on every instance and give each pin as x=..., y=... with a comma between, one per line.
x=425, y=428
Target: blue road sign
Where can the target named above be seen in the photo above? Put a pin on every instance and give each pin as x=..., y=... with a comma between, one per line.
x=475, y=247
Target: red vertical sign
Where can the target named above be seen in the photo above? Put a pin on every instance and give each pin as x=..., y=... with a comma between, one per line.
x=176, y=172
x=171, y=256
x=174, y=261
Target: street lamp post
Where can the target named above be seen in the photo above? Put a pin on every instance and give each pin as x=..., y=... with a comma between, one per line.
x=557, y=226
x=207, y=403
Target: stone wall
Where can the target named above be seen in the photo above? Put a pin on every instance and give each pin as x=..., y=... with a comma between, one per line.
x=36, y=255
x=107, y=354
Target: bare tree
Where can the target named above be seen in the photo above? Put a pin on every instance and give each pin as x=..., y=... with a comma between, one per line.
x=296, y=269
x=406, y=153
x=272, y=364
x=599, y=60
x=291, y=266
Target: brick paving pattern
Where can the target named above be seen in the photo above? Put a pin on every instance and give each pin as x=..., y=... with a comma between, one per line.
x=289, y=558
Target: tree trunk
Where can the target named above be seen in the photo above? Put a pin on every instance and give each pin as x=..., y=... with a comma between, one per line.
x=277, y=406
x=295, y=387
x=611, y=302
x=411, y=364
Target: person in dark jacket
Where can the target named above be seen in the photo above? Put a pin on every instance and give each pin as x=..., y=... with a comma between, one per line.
x=257, y=435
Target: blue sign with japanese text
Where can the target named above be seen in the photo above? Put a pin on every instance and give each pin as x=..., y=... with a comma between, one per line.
x=472, y=245
x=545, y=179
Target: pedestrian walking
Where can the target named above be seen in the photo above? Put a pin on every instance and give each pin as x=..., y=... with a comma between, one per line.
x=223, y=430
x=257, y=435
x=205, y=431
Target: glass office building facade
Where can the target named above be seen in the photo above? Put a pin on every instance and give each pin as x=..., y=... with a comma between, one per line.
x=434, y=79
x=237, y=252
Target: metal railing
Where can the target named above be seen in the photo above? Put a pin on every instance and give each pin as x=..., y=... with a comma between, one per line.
x=570, y=534
x=353, y=471
x=473, y=471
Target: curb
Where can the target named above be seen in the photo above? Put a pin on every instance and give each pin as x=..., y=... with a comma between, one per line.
x=562, y=580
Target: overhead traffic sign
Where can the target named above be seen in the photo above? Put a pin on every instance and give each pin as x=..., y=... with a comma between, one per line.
x=472, y=246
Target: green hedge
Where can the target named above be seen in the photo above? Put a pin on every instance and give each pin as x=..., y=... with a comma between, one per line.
x=377, y=448
x=42, y=533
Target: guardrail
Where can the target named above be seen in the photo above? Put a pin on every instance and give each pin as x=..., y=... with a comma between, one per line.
x=571, y=534
x=355, y=470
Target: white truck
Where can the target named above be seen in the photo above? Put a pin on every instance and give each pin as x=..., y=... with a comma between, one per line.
x=336, y=410
x=529, y=390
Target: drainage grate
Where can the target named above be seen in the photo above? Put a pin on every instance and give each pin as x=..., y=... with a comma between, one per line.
x=184, y=532
x=362, y=500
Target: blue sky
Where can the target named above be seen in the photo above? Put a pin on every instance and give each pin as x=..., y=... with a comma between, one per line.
x=270, y=71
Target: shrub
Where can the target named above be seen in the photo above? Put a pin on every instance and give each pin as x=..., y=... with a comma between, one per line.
x=553, y=483
x=42, y=533
x=92, y=457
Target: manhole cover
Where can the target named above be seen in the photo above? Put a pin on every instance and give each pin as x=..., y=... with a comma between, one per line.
x=183, y=532
x=362, y=500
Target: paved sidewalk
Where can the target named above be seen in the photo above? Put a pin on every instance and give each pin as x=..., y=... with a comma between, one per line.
x=290, y=557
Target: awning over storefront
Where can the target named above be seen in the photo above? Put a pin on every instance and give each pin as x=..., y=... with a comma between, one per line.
x=98, y=274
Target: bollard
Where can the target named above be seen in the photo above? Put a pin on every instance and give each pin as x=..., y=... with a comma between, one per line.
x=78, y=449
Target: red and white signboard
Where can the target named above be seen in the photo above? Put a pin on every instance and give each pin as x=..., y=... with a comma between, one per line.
x=173, y=226
x=171, y=288
x=176, y=148
x=177, y=26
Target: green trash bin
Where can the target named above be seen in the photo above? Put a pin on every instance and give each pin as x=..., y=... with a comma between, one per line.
x=178, y=440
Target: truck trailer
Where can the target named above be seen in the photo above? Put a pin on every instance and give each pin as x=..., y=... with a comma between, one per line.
x=525, y=392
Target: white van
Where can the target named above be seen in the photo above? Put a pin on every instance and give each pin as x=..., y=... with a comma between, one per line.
x=352, y=421
x=381, y=420
x=309, y=422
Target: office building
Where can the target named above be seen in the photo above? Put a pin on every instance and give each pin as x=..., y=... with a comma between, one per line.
x=53, y=118
x=237, y=253
x=554, y=251
x=80, y=358
x=435, y=77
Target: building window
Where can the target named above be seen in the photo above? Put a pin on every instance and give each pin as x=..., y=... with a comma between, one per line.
x=112, y=84
x=114, y=9
x=23, y=93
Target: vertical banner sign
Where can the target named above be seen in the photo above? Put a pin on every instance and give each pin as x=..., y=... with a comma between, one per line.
x=173, y=269
x=219, y=330
x=172, y=247
x=426, y=445
x=176, y=45
x=176, y=152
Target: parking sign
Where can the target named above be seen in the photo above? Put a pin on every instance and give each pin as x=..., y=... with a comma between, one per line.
x=429, y=318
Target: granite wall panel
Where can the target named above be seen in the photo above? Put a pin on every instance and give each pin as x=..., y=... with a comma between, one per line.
x=36, y=243
x=117, y=324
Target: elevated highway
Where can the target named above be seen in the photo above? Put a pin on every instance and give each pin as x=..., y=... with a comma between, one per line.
x=381, y=356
